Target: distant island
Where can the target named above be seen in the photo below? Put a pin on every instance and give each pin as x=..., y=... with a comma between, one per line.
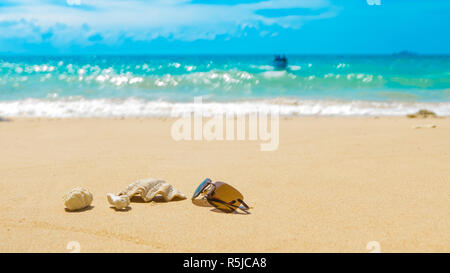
x=405, y=53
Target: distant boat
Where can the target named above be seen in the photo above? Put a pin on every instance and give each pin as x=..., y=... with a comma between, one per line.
x=280, y=62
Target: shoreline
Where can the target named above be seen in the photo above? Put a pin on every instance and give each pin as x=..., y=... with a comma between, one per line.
x=333, y=185
x=284, y=106
x=205, y=118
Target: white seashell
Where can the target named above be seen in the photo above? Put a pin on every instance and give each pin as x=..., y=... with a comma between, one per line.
x=78, y=198
x=148, y=188
x=118, y=201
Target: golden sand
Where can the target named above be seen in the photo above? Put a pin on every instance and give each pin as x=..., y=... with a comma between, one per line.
x=334, y=184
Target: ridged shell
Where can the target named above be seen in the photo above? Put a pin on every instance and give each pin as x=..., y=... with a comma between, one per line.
x=148, y=188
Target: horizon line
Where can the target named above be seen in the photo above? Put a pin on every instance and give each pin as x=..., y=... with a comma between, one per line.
x=398, y=53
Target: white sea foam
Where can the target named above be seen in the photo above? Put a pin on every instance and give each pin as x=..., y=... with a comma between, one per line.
x=132, y=107
x=262, y=67
x=274, y=74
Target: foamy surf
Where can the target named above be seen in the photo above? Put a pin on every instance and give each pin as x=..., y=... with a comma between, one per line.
x=132, y=107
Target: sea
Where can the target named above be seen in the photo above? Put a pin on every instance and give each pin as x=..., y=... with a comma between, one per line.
x=162, y=86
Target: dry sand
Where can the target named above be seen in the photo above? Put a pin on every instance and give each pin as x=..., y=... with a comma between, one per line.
x=335, y=184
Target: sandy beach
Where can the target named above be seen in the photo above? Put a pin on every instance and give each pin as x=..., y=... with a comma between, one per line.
x=334, y=185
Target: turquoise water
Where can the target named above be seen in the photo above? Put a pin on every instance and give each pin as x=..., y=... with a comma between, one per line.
x=392, y=83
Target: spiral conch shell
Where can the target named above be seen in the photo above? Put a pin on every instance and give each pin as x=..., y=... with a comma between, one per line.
x=78, y=198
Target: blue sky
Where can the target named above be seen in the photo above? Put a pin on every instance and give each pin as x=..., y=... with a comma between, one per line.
x=223, y=26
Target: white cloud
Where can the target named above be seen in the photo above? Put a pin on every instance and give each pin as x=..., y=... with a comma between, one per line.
x=78, y=20
x=73, y=2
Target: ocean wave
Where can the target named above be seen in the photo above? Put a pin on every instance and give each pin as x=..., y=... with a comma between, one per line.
x=225, y=78
x=101, y=74
x=133, y=107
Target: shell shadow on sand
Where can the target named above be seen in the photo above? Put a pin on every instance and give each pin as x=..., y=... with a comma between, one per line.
x=80, y=210
x=121, y=210
x=156, y=199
